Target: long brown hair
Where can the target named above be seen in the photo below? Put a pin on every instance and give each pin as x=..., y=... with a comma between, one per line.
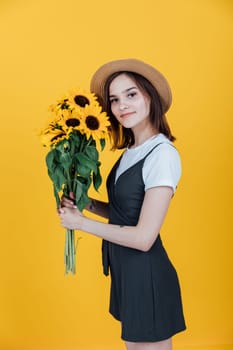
x=123, y=137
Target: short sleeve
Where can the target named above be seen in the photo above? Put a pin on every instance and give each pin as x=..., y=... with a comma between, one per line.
x=162, y=167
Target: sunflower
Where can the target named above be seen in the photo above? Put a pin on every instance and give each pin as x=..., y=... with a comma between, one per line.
x=61, y=108
x=95, y=123
x=77, y=98
x=54, y=120
x=71, y=120
x=52, y=135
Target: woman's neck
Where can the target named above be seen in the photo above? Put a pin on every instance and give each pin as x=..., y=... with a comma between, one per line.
x=142, y=136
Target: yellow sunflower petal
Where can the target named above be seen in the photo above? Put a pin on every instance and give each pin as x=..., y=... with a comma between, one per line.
x=95, y=123
x=50, y=137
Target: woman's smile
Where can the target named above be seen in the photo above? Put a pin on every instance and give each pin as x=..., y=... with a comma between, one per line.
x=127, y=114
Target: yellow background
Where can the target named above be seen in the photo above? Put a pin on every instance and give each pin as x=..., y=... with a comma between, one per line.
x=50, y=46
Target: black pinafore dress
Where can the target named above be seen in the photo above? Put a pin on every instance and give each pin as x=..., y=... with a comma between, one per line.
x=145, y=294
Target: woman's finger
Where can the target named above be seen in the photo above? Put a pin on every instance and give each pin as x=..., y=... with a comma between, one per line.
x=67, y=202
x=72, y=195
x=60, y=211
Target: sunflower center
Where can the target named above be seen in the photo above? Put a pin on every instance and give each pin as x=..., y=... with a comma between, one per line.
x=81, y=100
x=64, y=105
x=73, y=122
x=92, y=122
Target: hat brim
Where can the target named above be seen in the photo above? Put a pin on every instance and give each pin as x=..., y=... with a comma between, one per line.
x=133, y=65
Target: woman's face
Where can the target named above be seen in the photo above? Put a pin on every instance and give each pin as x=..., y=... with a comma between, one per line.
x=129, y=104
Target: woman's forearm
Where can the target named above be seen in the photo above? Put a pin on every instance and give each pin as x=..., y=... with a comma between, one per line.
x=98, y=207
x=128, y=236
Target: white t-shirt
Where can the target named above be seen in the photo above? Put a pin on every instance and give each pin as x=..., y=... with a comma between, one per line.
x=161, y=168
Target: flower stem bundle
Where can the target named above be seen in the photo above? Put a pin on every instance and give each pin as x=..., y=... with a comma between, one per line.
x=77, y=126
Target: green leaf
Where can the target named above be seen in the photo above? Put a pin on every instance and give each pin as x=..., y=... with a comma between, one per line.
x=102, y=144
x=75, y=138
x=84, y=160
x=66, y=160
x=92, y=153
x=51, y=173
x=78, y=191
x=56, y=196
x=97, y=179
x=85, y=181
x=50, y=160
x=83, y=201
x=58, y=178
x=83, y=170
x=81, y=191
x=63, y=146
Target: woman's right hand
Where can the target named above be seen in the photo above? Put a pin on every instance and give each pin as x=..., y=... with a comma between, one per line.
x=94, y=206
x=68, y=202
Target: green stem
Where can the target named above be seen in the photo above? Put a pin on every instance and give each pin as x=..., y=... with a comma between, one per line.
x=82, y=144
x=89, y=141
x=70, y=252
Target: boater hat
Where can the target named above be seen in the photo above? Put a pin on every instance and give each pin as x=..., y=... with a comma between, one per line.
x=133, y=65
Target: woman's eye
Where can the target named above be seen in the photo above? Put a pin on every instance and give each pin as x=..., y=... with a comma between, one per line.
x=113, y=100
x=132, y=94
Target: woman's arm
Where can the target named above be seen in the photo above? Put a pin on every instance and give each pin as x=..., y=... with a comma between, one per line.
x=142, y=236
x=94, y=206
x=98, y=207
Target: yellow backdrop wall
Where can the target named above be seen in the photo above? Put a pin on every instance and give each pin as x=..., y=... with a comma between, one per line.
x=49, y=46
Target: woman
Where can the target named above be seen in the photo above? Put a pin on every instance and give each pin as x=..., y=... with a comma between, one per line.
x=145, y=294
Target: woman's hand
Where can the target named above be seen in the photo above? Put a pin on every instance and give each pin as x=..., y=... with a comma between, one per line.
x=68, y=202
x=94, y=206
x=71, y=218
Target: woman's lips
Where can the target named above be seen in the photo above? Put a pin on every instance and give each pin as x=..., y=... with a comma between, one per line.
x=125, y=115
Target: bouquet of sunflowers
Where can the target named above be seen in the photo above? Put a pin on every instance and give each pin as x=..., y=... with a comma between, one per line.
x=76, y=129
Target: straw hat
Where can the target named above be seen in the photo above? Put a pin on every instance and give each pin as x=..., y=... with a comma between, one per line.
x=133, y=65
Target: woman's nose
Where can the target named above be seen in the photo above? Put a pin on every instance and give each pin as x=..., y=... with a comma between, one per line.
x=123, y=106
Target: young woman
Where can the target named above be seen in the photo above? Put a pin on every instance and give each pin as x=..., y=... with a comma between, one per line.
x=145, y=293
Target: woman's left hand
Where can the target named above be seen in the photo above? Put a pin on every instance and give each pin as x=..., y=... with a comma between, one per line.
x=71, y=218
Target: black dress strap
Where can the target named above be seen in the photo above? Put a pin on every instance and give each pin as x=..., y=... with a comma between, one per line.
x=160, y=143
x=152, y=149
